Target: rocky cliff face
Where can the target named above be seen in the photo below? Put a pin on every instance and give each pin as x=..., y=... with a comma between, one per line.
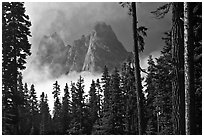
x=104, y=49
x=89, y=53
x=76, y=54
x=52, y=53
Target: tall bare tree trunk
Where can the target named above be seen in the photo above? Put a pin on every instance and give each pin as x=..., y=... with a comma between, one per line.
x=157, y=114
x=137, y=70
x=188, y=70
x=178, y=94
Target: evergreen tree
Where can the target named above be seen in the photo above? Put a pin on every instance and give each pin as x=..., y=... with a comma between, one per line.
x=117, y=105
x=26, y=94
x=104, y=126
x=128, y=89
x=80, y=103
x=27, y=115
x=73, y=128
x=56, y=90
x=99, y=97
x=93, y=104
x=151, y=94
x=74, y=98
x=23, y=109
x=98, y=123
x=81, y=106
x=33, y=102
x=164, y=95
x=112, y=119
x=106, y=85
x=158, y=83
x=15, y=49
x=45, y=117
x=66, y=109
x=79, y=123
x=57, y=109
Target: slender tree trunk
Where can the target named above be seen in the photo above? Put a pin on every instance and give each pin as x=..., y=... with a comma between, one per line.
x=137, y=69
x=157, y=115
x=178, y=94
x=188, y=70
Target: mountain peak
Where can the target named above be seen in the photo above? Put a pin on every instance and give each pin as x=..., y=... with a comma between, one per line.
x=103, y=30
x=88, y=53
x=101, y=26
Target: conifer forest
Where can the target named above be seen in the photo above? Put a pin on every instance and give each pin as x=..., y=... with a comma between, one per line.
x=165, y=98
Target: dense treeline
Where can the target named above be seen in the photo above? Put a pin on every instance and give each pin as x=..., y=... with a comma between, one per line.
x=110, y=107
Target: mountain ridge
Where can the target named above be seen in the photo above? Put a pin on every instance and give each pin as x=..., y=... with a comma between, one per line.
x=89, y=53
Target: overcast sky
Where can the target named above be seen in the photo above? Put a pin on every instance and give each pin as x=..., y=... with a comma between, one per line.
x=71, y=20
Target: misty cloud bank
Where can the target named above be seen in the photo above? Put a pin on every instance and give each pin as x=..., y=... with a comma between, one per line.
x=43, y=81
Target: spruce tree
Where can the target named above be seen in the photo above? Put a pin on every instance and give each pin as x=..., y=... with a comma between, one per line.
x=57, y=109
x=99, y=97
x=23, y=109
x=66, y=109
x=158, y=88
x=93, y=102
x=151, y=94
x=80, y=105
x=34, y=111
x=15, y=49
x=79, y=123
x=105, y=80
x=117, y=105
x=98, y=123
x=105, y=127
x=73, y=124
x=45, y=117
x=128, y=90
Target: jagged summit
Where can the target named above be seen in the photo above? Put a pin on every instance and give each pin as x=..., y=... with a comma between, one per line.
x=89, y=53
x=104, y=49
x=103, y=30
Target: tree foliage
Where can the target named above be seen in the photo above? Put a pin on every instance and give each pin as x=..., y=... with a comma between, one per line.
x=15, y=49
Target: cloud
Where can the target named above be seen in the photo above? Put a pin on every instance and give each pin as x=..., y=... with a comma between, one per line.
x=43, y=82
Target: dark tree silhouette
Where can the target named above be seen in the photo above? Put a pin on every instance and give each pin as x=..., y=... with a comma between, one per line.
x=66, y=109
x=15, y=49
x=57, y=109
x=45, y=117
